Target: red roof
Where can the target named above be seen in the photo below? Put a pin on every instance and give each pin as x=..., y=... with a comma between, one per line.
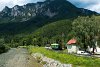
x=72, y=41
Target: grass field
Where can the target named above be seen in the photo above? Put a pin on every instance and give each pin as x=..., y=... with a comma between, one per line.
x=67, y=58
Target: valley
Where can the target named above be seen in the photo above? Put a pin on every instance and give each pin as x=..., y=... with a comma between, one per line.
x=55, y=24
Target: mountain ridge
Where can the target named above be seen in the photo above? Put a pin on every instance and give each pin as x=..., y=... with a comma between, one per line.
x=35, y=15
x=49, y=8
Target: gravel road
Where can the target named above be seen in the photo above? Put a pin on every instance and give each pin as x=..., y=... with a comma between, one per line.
x=18, y=57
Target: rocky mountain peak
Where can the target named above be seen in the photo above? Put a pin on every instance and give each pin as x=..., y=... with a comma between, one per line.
x=16, y=7
x=48, y=8
x=6, y=9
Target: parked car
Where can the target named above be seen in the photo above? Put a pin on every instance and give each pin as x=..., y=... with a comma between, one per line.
x=83, y=53
x=48, y=47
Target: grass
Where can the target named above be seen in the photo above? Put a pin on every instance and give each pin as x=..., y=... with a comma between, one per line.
x=67, y=58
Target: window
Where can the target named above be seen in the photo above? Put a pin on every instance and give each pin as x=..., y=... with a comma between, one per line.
x=69, y=46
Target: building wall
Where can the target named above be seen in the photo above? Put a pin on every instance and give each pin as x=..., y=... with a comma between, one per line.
x=97, y=50
x=72, y=48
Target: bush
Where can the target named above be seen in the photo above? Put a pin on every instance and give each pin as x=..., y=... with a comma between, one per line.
x=3, y=48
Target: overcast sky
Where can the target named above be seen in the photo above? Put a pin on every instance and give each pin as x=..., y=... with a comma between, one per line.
x=93, y=5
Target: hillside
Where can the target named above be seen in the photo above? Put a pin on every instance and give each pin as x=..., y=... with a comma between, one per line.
x=55, y=29
x=29, y=17
x=67, y=29
x=41, y=23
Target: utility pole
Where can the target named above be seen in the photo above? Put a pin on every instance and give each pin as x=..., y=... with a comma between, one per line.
x=63, y=35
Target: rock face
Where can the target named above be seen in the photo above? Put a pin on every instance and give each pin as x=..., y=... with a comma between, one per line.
x=50, y=62
x=49, y=8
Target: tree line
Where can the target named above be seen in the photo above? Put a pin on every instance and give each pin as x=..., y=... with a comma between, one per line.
x=85, y=29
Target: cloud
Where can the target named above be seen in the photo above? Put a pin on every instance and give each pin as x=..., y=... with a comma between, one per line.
x=93, y=5
x=11, y=3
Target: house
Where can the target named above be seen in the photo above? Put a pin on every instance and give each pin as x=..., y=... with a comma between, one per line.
x=71, y=46
x=96, y=50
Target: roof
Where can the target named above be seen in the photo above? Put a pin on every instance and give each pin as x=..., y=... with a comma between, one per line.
x=54, y=44
x=72, y=41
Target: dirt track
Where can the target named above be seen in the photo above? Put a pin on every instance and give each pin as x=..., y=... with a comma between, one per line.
x=18, y=58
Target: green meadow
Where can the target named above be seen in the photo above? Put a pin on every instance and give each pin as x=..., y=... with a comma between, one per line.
x=76, y=61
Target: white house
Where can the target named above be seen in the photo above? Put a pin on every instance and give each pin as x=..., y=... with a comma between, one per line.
x=97, y=50
x=71, y=46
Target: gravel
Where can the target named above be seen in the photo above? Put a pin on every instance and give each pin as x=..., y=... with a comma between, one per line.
x=50, y=62
x=18, y=57
x=6, y=56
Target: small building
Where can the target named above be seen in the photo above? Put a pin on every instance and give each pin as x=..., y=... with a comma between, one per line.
x=71, y=46
x=96, y=50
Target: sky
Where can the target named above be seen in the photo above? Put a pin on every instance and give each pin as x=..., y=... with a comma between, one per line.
x=93, y=5
x=12, y=3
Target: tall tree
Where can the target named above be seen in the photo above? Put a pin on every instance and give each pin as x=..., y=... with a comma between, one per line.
x=85, y=30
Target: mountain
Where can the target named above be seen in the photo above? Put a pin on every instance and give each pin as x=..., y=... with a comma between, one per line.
x=31, y=16
x=48, y=8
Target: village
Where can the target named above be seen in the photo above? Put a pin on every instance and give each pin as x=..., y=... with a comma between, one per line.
x=73, y=48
